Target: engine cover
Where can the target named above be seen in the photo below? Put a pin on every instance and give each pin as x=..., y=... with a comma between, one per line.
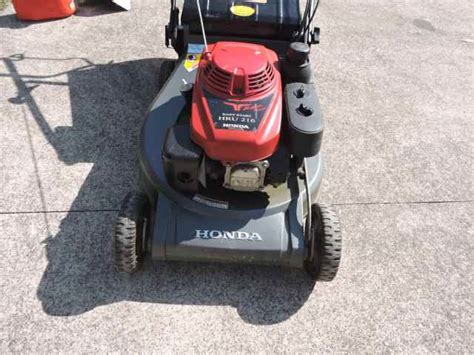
x=237, y=102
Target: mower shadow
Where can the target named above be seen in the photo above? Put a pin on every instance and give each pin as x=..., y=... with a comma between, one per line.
x=108, y=103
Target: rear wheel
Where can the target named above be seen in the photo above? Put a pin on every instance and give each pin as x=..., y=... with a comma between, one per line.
x=130, y=235
x=324, y=244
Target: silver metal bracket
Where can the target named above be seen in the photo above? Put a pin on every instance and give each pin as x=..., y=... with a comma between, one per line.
x=309, y=216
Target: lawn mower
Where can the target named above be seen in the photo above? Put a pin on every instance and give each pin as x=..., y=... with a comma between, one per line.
x=229, y=153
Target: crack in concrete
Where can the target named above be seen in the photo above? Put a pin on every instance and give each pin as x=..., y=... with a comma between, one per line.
x=390, y=203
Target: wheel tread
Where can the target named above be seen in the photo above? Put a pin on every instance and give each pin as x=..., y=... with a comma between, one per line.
x=328, y=244
x=127, y=249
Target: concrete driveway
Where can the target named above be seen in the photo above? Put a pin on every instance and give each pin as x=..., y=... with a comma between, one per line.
x=396, y=85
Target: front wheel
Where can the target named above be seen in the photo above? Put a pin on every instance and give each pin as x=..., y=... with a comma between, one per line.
x=129, y=240
x=324, y=244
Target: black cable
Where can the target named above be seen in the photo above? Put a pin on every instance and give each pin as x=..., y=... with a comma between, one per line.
x=304, y=18
x=312, y=17
x=306, y=14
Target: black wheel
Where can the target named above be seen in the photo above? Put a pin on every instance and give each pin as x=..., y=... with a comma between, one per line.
x=323, y=260
x=129, y=241
x=166, y=69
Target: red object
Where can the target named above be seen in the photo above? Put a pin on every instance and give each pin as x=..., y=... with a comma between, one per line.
x=237, y=102
x=34, y=10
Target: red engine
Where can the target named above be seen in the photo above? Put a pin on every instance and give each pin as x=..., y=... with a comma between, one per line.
x=237, y=102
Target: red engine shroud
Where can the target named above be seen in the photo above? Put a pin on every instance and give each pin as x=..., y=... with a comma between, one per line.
x=237, y=102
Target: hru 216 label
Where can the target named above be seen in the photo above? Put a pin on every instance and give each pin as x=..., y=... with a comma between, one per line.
x=237, y=115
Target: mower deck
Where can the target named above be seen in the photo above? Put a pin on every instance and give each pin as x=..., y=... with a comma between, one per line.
x=191, y=227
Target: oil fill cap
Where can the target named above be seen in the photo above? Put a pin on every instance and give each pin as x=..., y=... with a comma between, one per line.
x=298, y=53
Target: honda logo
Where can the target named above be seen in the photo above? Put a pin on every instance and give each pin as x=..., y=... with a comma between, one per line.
x=216, y=234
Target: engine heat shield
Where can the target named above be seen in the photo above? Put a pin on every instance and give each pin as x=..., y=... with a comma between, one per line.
x=237, y=102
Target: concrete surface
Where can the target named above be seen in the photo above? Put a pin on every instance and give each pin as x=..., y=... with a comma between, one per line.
x=395, y=78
